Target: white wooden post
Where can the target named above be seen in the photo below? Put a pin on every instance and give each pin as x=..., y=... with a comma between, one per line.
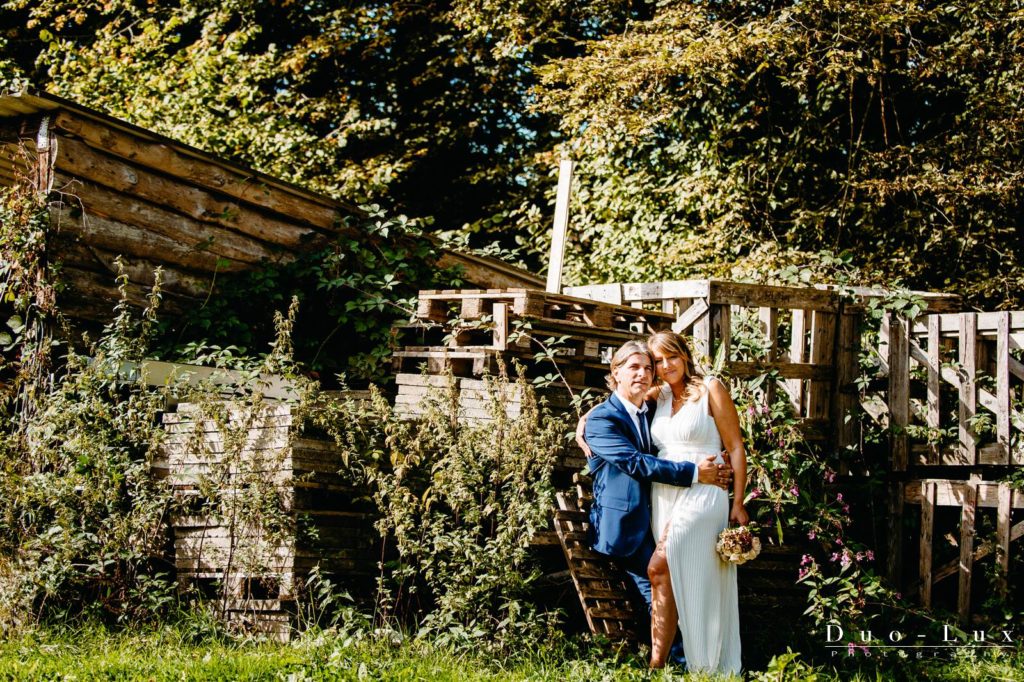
x=554, y=285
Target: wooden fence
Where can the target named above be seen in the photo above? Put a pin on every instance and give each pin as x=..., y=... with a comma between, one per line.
x=954, y=403
x=809, y=338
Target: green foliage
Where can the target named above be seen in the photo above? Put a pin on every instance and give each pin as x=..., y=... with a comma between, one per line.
x=374, y=101
x=755, y=135
x=351, y=292
x=80, y=515
x=460, y=501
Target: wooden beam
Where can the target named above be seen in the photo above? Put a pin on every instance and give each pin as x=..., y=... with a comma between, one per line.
x=1002, y=396
x=954, y=493
x=69, y=250
x=797, y=341
x=762, y=295
x=768, y=320
x=927, y=529
x=934, y=365
x=980, y=553
x=561, y=227
x=823, y=336
x=899, y=391
x=46, y=153
x=968, y=392
x=658, y=291
x=607, y=293
x=96, y=294
x=894, y=555
x=142, y=216
x=967, y=533
x=1003, y=519
x=796, y=371
x=988, y=323
x=135, y=242
x=696, y=311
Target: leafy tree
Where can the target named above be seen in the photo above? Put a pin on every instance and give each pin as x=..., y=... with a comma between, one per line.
x=377, y=101
x=739, y=137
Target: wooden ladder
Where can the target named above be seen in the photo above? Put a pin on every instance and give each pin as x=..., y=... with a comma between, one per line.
x=600, y=583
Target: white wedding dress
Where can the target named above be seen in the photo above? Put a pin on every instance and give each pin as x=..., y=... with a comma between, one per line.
x=704, y=586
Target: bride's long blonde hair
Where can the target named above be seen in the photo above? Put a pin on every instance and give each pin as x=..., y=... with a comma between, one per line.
x=670, y=343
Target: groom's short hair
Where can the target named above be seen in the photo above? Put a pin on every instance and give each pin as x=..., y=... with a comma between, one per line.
x=625, y=351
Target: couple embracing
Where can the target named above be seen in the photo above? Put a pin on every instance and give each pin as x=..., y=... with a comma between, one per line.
x=661, y=496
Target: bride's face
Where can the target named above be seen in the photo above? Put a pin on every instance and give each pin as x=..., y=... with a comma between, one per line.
x=669, y=367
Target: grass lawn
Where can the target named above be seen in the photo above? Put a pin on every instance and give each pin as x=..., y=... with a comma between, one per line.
x=167, y=654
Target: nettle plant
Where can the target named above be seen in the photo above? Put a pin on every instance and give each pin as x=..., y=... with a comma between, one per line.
x=459, y=501
x=82, y=519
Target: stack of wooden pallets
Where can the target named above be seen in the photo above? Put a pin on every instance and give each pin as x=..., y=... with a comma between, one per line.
x=224, y=546
x=469, y=332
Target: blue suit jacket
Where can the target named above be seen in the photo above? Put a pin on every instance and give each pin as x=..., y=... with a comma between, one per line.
x=620, y=517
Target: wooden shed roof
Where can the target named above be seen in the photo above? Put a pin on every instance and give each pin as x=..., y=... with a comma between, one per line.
x=119, y=189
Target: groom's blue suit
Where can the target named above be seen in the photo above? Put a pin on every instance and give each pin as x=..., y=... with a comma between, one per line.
x=623, y=469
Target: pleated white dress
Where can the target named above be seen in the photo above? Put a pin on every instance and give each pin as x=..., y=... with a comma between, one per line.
x=704, y=586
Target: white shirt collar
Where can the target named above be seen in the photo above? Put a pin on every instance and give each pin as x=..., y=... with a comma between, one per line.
x=632, y=409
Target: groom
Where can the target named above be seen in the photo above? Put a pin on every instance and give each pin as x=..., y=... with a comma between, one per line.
x=623, y=467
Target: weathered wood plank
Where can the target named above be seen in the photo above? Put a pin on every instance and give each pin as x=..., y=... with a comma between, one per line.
x=762, y=295
x=967, y=551
x=69, y=249
x=968, y=405
x=899, y=391
x=788, y=370
x=121, y=238
x=607, y=293
x=894, y=555
x=954, y=493
x=1003, y=387
x=98, y=292
x=561, y=226
x=77, y=159
x=721, y=330
x=141, y=216
x=927, y=529
x=657, y=291
x=697, y=310
x=980, y=553
x=988, y=323
x=1003, y=520
x=178, y=160
x=844, y=397
x=934, y=365
x=702, y=337
x=795, y=387
x=822, y=349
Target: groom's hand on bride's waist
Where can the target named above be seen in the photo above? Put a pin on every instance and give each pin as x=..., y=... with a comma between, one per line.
x=712, y=473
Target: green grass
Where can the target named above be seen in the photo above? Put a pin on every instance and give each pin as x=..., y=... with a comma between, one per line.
x=93, y=653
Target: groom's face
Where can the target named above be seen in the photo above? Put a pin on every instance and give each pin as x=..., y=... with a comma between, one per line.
x=634, y=377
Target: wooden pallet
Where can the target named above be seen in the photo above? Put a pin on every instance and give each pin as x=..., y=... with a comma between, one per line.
x=600, y=583
x=469, y=304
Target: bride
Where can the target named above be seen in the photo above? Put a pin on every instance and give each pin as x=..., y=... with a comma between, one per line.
x=691, y=586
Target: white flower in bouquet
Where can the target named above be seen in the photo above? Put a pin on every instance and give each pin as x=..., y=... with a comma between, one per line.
x=738, y=545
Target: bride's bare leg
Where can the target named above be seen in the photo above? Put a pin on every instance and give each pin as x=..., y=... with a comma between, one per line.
x=664, y=618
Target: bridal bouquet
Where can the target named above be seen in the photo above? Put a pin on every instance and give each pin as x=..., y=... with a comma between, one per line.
x=738, y=545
